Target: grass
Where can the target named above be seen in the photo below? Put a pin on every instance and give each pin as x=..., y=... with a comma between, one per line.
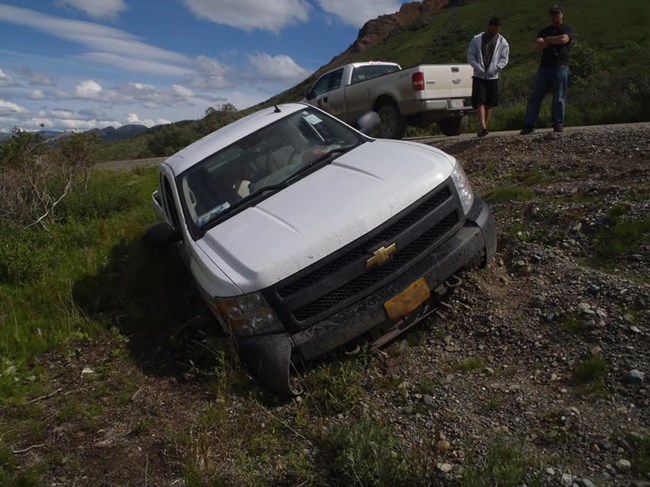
x=470, y=364
x=506, y=464
x=574, y=325
x=506, y=194
x=641, y=460
x=590, y=374
x=620, y=236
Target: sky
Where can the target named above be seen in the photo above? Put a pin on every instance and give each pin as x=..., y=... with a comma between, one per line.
x=83, y=64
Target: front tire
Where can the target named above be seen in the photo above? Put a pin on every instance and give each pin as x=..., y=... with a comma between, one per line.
x=453, y=126
x=392, y=124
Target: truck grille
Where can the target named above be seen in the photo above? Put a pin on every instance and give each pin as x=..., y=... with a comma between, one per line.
x=342, y=278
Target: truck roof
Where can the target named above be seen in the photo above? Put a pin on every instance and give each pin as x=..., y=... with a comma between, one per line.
x=223, y=137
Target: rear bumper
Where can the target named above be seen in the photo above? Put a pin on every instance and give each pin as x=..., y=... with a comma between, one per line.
x=268, y=358
x=438, y=109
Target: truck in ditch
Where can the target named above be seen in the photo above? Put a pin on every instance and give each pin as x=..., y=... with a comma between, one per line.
x=304, y=235
x=417, y=96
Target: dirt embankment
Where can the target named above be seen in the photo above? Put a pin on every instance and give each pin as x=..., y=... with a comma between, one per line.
x=548, y=349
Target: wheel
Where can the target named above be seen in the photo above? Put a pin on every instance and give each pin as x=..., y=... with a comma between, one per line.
x=453, y=126
x=392, y=124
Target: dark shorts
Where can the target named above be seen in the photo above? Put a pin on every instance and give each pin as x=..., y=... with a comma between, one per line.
x=485, y=92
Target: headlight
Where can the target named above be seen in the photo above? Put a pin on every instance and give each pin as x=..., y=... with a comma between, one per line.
x=463, y=187
x=248, y=315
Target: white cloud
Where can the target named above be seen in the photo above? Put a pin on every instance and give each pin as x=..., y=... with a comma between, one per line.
x=279, y=67
x=211, y=74
x=36, y=95
x=6, y=81
x=181, y=90
x=251, y=14
x=88, y=89
x=106, y=44
x=9, y=107
x=362, y=11
x=36, y=79
x=98, y=8
x=134, y=119
x=136, y=64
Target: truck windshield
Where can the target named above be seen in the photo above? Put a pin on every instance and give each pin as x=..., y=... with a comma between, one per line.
x=262, y=162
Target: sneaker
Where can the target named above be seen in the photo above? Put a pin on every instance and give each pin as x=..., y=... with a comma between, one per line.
x=558, y=128
x=526, y=130
x=482, y=133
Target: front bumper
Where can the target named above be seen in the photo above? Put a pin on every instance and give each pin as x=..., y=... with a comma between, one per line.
x=268, y=358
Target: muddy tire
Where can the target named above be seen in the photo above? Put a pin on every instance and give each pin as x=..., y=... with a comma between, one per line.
x=392, y=125
x=453, y=126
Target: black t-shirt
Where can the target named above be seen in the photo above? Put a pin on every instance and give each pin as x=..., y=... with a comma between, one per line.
x=556, y=55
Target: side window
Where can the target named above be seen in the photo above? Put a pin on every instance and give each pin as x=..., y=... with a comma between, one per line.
x=170, y=206
x=335, y=79
x=321, y=86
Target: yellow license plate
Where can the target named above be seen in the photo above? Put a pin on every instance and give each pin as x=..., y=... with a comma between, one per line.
x=409, y=299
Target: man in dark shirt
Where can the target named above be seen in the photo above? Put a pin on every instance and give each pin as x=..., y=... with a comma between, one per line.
x=553, y=73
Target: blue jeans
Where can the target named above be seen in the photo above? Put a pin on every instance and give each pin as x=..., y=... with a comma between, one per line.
x=555, y=80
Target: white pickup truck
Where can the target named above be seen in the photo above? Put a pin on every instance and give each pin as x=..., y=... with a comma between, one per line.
x=416, y=96
x=304, y=235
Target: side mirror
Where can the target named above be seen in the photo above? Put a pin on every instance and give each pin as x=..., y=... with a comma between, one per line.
x=308, y=95
x=368, y=122
x=160, y=236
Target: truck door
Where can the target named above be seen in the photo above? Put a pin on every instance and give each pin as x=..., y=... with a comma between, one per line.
x=327, y=93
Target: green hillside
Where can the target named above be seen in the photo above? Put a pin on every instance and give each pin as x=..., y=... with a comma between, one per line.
x=609, y=81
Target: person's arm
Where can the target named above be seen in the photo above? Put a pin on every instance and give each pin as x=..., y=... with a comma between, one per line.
x=504, y=56
x=557, y=40
x=474, y=58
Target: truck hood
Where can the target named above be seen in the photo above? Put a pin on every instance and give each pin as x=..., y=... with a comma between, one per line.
x=324, y=211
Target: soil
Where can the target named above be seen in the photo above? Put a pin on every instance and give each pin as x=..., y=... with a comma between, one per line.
x=547, y=348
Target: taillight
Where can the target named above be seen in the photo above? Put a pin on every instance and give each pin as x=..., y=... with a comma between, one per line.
x=417, y=81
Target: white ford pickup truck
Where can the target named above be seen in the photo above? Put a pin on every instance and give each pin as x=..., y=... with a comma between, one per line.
x=415, y=96
x=304, y=235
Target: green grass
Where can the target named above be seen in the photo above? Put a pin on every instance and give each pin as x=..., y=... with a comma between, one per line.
x=574, y=325
x=590, y=374
x=367, y=452
x=506, y=194
x=620, y=236
x=506, y=464
x=45, y=270
x=470, y=364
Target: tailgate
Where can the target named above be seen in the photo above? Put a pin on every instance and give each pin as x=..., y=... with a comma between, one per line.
x=446, y=81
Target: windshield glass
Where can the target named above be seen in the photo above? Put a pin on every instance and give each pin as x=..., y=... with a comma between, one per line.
x=261, y=162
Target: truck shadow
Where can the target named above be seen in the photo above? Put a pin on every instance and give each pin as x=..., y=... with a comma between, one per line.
x=150, y=299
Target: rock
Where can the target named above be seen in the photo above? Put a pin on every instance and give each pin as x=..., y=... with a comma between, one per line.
x=635, y=376
x=568, y=479
x=444, y=467
x=582, y=482
x=428, y=400
x=442, y=446
x=623, y=465
x=586, y=308
x=87, y=373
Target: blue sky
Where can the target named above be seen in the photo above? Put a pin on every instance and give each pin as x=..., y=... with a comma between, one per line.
x=82, y=64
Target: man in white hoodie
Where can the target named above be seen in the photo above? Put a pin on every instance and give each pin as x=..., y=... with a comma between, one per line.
x=488, y=54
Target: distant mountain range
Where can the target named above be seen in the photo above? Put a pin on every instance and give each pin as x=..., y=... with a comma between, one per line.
x=108, y=134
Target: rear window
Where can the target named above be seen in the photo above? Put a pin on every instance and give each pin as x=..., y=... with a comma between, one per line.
x=363, y=73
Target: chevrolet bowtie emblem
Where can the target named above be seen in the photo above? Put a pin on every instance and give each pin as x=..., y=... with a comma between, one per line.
x=381, y=255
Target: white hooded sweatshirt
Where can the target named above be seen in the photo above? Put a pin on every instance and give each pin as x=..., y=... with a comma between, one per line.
x=499, y=58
